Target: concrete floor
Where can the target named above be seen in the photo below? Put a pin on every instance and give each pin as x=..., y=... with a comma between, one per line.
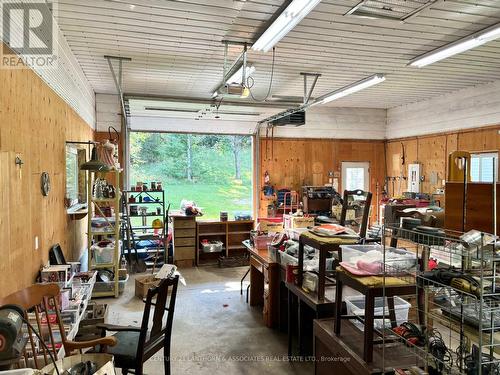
x=212, y=323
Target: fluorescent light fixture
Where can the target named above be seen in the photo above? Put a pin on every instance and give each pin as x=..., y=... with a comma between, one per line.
x=285, y=22
x=351, y=89
x=461, y=45
x=237, y=77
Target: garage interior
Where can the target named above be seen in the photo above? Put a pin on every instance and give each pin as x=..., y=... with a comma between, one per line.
x=244, y=186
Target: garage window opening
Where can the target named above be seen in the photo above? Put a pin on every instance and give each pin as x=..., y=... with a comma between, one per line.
x=214, y=171
x=484, y=166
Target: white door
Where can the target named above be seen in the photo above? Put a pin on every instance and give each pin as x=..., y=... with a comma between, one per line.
x=355, y=175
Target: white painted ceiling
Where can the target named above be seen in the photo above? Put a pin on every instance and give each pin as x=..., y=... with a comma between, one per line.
x=176, y=47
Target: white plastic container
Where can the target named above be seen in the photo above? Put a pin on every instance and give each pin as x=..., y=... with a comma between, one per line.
x=408, y=260
x=103, y=255
x=356, y=306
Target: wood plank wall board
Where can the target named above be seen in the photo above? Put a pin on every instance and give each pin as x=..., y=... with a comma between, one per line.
x=35, y=123
x=432, y=152
x=293, y=163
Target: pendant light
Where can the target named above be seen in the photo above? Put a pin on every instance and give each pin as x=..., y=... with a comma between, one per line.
x=94, y=164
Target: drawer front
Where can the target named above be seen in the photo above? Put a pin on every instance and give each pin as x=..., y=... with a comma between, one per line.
x=179, y=233
x=188, y=241
x=184, y=224
x=184, y=253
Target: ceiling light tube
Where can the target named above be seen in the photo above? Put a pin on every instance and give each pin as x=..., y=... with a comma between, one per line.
x=285, y=22
x=351, y=89
x=459, y=46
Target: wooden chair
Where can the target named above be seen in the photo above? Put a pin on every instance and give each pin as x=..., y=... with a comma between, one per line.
x=41, y=300
x=137, y=344
x=364, y=198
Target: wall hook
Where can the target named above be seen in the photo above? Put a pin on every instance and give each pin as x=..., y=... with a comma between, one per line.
x=19, y=161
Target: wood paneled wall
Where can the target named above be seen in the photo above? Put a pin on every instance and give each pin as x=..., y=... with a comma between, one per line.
x=432, y=152
x=35, y=123
x=293, y=163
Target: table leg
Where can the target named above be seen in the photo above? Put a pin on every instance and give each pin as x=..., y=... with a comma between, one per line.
x=369, y=312
x=392, y=312
x=300, y=331
x=301, y=264
x=338, y=306
x=243, y=279
x=256, y=287
x=321, y=277
x=290, y=333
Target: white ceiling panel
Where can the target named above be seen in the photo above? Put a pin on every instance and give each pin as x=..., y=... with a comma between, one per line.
x=176, y=47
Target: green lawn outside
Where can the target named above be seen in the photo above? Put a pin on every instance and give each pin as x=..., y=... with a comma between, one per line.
x=212, y=184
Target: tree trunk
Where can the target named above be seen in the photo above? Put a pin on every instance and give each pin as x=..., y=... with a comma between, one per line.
x=189, y=158
x=236, y=153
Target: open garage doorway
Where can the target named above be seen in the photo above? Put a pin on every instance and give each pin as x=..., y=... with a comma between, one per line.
x=214, y=171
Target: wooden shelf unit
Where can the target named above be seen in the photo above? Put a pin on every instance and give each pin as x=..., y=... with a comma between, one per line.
x=230, y=233
x=95, y=208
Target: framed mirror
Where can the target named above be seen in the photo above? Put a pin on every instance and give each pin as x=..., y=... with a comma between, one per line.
x=76, y=180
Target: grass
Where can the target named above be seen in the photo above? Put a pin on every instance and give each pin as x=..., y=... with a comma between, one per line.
x=212, y=198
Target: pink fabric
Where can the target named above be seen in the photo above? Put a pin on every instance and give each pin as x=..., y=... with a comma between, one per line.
x=363, y=268
x=354, y=270
x=374, y=268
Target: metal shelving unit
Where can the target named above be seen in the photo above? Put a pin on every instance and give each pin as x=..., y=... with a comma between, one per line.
x=157, y=253
x=96, y=207
x=456, y=304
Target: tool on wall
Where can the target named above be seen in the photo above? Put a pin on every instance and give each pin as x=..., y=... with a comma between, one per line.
x=19, y=162
x=403, y=157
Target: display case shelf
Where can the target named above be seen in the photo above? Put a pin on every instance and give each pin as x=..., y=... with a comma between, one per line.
x=456, y=300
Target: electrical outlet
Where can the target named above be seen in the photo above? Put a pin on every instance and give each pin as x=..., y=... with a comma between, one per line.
x=36, y=242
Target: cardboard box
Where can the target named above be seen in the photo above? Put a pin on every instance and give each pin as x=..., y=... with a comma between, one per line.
x=273, y=225
x=292, y=222
x=143, y=283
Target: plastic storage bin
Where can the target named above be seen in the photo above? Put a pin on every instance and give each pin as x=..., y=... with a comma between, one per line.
x=353, y=251
x=212, y=246
x=100, y=286
x=356, y=306
x=103, y=255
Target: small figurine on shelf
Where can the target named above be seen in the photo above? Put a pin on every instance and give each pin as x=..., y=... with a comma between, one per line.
x=111, y=191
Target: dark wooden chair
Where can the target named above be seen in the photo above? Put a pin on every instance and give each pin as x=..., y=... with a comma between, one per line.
x=360, y=199
x=137, y=344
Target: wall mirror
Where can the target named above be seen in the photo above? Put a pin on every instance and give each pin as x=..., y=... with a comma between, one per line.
x=76, y=180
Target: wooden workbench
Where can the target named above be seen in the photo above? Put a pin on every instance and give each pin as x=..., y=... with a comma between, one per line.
x=264, y=284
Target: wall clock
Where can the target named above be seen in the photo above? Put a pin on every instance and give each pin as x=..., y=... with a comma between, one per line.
x=45, y=183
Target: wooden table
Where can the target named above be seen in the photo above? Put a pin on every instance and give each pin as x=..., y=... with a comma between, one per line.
x=342, y=354
x=303, y=308
x=264, y=284
x=371, y=287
